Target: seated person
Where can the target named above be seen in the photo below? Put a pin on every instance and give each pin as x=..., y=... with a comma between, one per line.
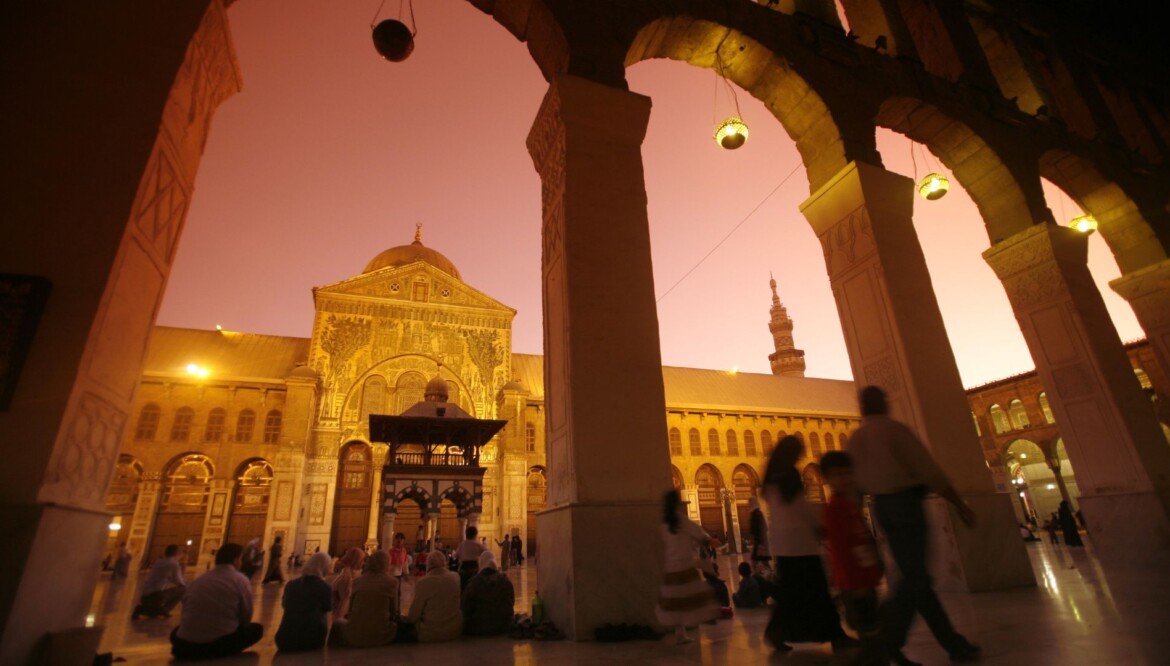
x=217, y=612
x=718, y=586
x=434, y=613
x=371, y=607
x=488, y=600
x=164, y=586
x=351, y=564
x=751, y=593
x=306, y=600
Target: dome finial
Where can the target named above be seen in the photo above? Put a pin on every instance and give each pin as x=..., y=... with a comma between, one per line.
x=418, y=232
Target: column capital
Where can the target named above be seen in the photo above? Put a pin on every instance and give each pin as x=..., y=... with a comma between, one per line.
x=1148, y=292
x=1032, y=263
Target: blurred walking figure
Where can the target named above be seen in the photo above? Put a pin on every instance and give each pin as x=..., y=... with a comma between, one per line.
x=804, y=612
x=274, y=573
x=1068, y=525
x=893, y=466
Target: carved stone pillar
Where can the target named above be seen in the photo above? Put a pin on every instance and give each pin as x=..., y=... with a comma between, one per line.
x=431, y=526
x=379, y=461
x=586, y=144
x=896, y=340
x=1148, y=293
x=1108, y=429
x=95, y=210
x=1054, y=465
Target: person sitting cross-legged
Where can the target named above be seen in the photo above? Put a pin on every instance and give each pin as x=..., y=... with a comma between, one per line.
x=488, y=600
x=751, y=592
x=306, y=602
x=372, y=601
x=164, y=586
x=217, y=612
x=434, y=614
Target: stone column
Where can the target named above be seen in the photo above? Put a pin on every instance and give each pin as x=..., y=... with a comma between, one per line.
x=896, y=340
x=1108, y=429
x=1148, y=293
x=473, y=519
x=142, y=523
x=1054, y=465
x=379, y=461
x=388, y=529
x=731, y=517
x=95, y=210
x=607, y=456
x=431, y=525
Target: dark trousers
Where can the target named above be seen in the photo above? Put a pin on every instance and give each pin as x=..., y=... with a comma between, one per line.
x=903, y=519
x=158, y=604
x=224, y=646
x=803, y=612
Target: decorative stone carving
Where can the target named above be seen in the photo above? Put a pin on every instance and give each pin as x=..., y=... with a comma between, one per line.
x=83, y=459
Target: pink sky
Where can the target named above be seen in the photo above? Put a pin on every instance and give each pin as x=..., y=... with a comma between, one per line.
x=331, y=154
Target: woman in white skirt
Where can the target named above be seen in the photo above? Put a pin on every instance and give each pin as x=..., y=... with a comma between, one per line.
x=686, y=600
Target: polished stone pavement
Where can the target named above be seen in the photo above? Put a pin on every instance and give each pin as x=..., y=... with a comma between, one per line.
x=1073, y=616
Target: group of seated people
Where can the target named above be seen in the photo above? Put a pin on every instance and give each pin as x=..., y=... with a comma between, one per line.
x=216, y=619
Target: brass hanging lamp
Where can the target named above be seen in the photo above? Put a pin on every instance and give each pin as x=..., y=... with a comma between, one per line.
x=732, y=132
x=392, y=39
x=934, y=185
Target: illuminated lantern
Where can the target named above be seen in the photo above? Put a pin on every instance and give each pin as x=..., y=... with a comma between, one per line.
x=1084, y=224
x=393, y=40
x=934, y=186
x=731, y=133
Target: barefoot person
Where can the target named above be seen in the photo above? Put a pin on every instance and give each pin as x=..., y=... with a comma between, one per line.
x=685, y=600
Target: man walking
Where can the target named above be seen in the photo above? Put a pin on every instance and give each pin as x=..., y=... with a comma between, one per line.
x=895, y=468
x=164, y=585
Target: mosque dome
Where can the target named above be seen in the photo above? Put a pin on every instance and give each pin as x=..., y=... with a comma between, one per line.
x=408, y=254
x=436, y=390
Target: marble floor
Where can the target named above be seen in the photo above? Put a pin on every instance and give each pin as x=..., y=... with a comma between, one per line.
x=1073, y=616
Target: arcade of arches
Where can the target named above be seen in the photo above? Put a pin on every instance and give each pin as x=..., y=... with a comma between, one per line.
x=96, y=196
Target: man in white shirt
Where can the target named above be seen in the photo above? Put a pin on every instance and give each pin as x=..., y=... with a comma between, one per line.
x=164, y=585
x=217, y=612
x=893, y=466
x=467, y=555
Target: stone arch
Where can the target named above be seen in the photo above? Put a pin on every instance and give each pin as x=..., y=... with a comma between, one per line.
x=409, y=505
x=709, y=482
x=183, y=501
x=460, y=496
x=1005, y=204
x=250, y=500
x=1123, y=227
x=676, y=478
x=692, y=36
x=745, y=484
x=533, y=23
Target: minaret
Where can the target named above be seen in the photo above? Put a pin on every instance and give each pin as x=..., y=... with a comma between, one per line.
x=788, y=360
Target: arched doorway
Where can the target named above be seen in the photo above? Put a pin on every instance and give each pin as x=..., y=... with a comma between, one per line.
x=814, y=485
x=250, y=504
x=537, y=500
x=746, y=483
x=448, y=527
x=122, y=499
x=351, y=508
x=710, y=484
x=410, y=505
x=183, y=507
x=676, y=479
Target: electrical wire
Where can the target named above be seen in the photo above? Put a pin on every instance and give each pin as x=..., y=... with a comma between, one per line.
x=730, y=233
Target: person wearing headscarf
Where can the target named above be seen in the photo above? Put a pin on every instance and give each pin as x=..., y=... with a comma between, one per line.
x=804, y=612
x=435, y=613
x=371, y=607
x=488, y=600
x=252, y=559
x=306, y=601
x=351, y=565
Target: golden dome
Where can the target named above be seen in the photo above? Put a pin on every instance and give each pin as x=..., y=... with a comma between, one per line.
x=436, y=390
x=408, y=254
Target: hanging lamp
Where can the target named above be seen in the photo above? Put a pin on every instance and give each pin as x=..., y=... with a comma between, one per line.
x=934, y=185
x=392, y=39
x=732, y=132
x=1086, y=224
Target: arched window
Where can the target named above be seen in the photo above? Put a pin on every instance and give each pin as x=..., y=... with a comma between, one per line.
x=843, y=440
x=181, y=427
x=147, y=423
x=1046, y=409
x=696, y=442
x=713, y=442
x=732, y=444
x=814, y=445
x=215, y=422
x=272, y=424
x=766, y=442
x=1143, y=378
x=749, y=443
x=675, y=442
x=828, y=441
x=245, y=424
x=373, y=397
x=530, y=436
x=409, y=390
x=1019, y=414
x=676, y=478
x=999, y=419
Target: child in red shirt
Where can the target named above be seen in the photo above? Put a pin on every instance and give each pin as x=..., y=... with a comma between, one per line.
x=853, y=557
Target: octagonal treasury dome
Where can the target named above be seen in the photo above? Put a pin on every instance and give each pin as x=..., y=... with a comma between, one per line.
x=408, y=254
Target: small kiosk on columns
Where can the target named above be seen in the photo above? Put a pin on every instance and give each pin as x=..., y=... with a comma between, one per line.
x=896, y=340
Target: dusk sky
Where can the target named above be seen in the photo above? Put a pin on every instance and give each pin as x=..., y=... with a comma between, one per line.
x=330, y=155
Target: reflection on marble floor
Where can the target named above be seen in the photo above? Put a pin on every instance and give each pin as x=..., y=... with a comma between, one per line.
x=1073, y=616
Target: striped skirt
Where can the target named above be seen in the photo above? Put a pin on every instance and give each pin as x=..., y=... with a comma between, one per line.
x=685, y=599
